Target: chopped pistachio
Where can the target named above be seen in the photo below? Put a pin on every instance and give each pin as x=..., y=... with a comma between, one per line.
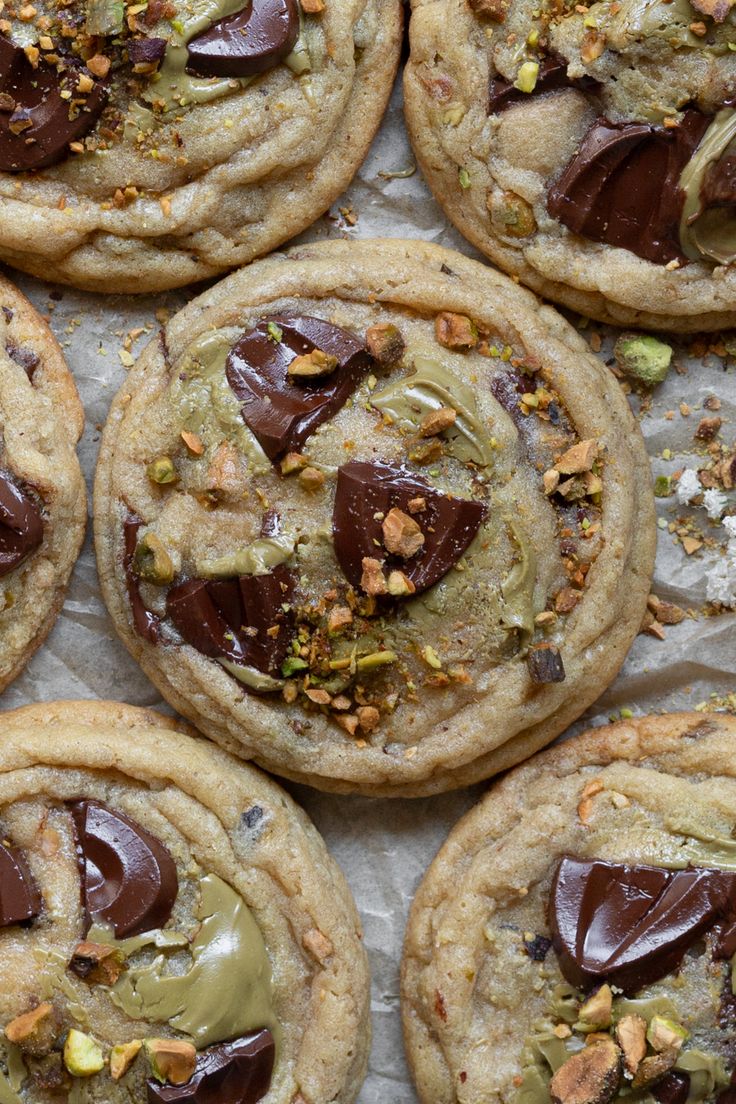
x=293, y=664
x=274, y=332
x=312, y=365
x=82, y=1055
x=662, y=486
x=152, y=562
x=643, y=358
x=464, y=178
x=172, y=1060
x=162, y=470
x=664, y=1034
x=122, y=1057
x=376, y=659
x=526, y=78
x=430, y=657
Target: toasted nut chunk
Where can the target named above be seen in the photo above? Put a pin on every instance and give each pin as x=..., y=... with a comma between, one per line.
x=96, y=963
x=550, y=481
x=339, y=618
x=437, y=421
x=99, y=65
x=593, y=45
x=82, y=1055
x=590, y=1077
x=368, y=717
x=401, y=534
x=313, y=7
x=426, y=451
x=349, y=722
x=152, y=562
x=664, y=1034
x=490, y=9
x=716, y=9
x=26, y=1029
x=596, y=1010
x=566, y=600
x=312, y=365
x=708, y=428
x=385, y=343
x=193, y=442
x=122, y=1057
x=171, y=1060
x=312, y=479
x=631, y=1036
x=293, y=462
x=545, y=664
x=400, y=585
x=654, y=1067
x=579, y=458
x=376, y=659
x=372, y=580
x=417, y=505
x=455, y=331
x=318, y=696
x=318, y=944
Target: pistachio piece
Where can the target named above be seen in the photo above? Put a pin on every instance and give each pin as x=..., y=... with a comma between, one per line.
x=339, y=618
x=455, y=331
x=399, y=585
x=172, y=1060
x=526, y=78
x=512, y=215
x=162, y=470
x=311, y=479
x=664, y=1034
x=590, y=1077
x=579, y=458
x=385, y=343
x=490, y=9
x=82, y=1055
x=375, y=660
x=193, y=442
x=631, y=1036
x=653, y=1068
x=368, y=717
x=372, y=580
x=152, y=562
x=122, y=1057
x=293, y=462
x=643, y=358
x=35, y=1030
x=312, y=365
x=437, y=421
x=96, y=963
x=596, y=1010
x=402, y=536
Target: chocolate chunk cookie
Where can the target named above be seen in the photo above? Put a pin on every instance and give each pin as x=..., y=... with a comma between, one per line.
x=574, y=939
x=172, y=927
x=370, y=514
x=147, y=146
x=587, y=149
x=42, y=495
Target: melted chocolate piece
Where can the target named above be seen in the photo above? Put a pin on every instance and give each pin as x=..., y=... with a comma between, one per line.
x=37, y=132
x=212, y=616
x=365, y=489
x=622, y=186
x=21, y=525
x=128, y=877
x=251, y=41
x=728, y=1096
x=146, y=50
x=283, y=413
x=147, y=624
x=20, y=900
x=24, y=357
x=229, y=1073
x=552, y=77
x=674, y=1088
x=545, y=665
x=631, y=925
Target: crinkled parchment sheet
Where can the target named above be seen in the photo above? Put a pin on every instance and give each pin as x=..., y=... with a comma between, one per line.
x=385, y=846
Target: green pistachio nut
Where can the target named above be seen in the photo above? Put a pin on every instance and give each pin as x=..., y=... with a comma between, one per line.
x=643, y=358
x=152, y=562
x=82, y=1055
x=162, y=470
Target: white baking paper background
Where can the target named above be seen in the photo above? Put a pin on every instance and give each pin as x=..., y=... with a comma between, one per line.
x=383, y=846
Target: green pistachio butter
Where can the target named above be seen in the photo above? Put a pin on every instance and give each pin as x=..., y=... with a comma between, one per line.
x=432, y=386
x=701, y=847
x=206, y=404
x=227, y=991
x=162, y=940
x=259, y=558
x=518, y=587
x=251, y=676
x=710, y=234
x=8, y=1095
x=54, y=979
x=17, y=1072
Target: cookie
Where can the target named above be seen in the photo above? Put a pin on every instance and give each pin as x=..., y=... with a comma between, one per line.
x=172, y=926
x=573, y=939
x=373, y=516
x=143, y=150
x=586, y=149
x=42, y=495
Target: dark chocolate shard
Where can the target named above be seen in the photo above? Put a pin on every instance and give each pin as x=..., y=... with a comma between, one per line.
x=38, y=131
x=231, y=618
x=145, y=51
x=20, y=900
x=229, y=1073
x=545, y=664
x=674, y=1088
x=128, y=877
x=552, y=77
x=24, y=357
x=251, y=41
x=147, y=624
x=21, y=525
x=631, y=925
x=366, y=489
x=622, y=187
x=281, y=412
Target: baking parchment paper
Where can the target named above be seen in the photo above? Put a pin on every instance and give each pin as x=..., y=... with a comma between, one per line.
x=385, y=846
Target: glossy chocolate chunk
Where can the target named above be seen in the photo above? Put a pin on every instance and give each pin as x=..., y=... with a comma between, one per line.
x=622, y=186
x=674, y=1088
x=147, y=624
x=213, y=615
x=631, y=925
x=552, y=77
x=21, y=525
x=37, y=130
x=20, y=900
x=365, y=489
x=281, y=412
x=230, y=1073
x=128, y=877
x=251, y=41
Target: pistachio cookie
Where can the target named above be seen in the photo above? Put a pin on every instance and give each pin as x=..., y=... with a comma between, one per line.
x=574, y=939
x=587, y=149
x=42, y=496
x=144, y=146
x=373, y=516
x=172, y=928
